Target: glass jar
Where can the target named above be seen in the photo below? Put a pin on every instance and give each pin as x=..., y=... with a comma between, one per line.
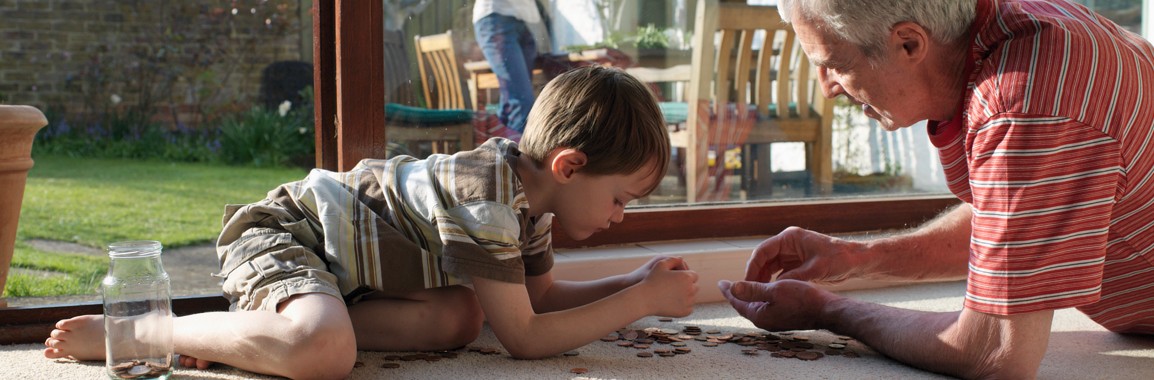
x=137, y=312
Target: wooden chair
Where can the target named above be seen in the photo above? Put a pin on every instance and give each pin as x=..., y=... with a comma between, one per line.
x=440, y=75
x=446, y=125
x=742, y=95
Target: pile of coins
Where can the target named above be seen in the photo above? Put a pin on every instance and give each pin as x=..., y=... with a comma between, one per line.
x=137, y=369
x=668, y=342
x=780, y=345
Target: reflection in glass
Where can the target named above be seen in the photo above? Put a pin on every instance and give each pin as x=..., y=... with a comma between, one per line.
x=654, y=39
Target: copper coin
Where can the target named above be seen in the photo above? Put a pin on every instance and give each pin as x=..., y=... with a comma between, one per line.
x=579, y=370
x=612, y=337
x=645, y=354
x=809, y=355
x=391, y=365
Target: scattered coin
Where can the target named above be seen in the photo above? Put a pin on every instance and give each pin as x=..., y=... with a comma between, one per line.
x=645, y=354
x=572, y=353
x=391, y=365
x=809, y=355
x=579, y=370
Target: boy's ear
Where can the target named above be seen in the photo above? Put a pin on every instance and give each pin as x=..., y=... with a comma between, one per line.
x=567, y=162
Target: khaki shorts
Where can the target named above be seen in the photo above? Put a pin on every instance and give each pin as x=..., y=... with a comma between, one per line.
x=265, y=266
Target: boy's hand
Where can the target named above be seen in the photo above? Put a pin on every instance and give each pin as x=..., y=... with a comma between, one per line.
x=639, y=274
x=670, y=286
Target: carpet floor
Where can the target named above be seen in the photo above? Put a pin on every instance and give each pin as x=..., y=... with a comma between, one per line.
x=1078, y=348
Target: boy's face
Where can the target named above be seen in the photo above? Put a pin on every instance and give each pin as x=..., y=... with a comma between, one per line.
x=591, y=203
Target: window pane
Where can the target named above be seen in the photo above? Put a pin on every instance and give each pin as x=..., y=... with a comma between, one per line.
x=757, y=155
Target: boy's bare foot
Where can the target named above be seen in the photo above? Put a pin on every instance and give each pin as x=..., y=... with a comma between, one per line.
x=79, y=338
x=82, y=338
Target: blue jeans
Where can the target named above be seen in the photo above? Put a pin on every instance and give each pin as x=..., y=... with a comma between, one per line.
x=509, y=47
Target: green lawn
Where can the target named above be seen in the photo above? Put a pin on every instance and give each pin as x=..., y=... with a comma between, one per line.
x=97, y=201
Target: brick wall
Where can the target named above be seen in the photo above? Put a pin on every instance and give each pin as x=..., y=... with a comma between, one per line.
x=177, y=58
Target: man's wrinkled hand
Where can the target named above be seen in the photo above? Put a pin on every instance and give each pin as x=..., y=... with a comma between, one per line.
x=777, y=306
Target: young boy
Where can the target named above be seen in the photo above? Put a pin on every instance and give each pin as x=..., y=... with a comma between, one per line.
x=377, y=258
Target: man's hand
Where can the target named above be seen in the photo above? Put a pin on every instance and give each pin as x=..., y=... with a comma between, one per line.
x=800, y=254
x=776, y=306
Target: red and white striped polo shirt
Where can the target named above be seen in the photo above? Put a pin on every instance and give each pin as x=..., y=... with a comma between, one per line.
x=1054, y=151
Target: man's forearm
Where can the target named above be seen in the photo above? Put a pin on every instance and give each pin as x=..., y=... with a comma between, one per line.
x=938, y=250
x=964, y=344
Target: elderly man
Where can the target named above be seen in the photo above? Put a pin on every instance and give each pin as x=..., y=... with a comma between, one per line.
x=1042, y=114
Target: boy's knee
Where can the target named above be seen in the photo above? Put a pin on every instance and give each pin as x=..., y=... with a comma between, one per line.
x=464, y=325
x=328, y=351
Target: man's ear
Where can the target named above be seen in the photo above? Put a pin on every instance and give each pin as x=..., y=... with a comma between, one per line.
x=912, y=39
x=567, y=162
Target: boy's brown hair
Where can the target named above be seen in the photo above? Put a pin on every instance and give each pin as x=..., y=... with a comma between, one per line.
x=603, y=112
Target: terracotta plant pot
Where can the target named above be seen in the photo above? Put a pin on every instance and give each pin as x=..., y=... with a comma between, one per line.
x=18, y=127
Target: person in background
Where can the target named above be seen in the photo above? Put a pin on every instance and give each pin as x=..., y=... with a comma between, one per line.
x=1040, y=111
x=502, y=29
x=378, y=258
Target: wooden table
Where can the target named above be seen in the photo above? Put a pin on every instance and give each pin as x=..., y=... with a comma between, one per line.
x=482, y=82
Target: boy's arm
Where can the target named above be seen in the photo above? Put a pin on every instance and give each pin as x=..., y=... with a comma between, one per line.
x=548, y=294
x=528, y=335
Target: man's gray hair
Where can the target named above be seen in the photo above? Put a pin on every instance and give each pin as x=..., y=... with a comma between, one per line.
x=867, y=23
